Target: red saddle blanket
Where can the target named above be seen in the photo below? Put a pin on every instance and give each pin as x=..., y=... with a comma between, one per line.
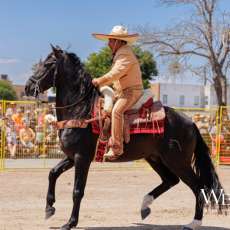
x=150, y=118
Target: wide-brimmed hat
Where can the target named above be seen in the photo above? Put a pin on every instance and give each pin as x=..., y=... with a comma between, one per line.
x=118, y=32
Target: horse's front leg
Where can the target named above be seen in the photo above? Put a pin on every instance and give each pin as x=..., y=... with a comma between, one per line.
x=82, y=165
x=55, y=172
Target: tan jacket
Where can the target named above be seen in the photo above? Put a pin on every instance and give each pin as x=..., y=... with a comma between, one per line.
x=125, y=72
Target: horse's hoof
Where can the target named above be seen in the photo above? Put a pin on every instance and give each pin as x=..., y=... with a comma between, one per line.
x=145, y=213
x=69, y=225
x=193, y=225
x=50, y=211
x=65, y=227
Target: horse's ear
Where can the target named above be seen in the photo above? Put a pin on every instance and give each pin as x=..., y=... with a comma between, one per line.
x=56, y=51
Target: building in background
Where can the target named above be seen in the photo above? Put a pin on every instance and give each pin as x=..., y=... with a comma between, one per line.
x=20, y=91
x=185, y=95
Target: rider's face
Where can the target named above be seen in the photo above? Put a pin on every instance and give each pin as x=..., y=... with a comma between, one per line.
x=112, y=43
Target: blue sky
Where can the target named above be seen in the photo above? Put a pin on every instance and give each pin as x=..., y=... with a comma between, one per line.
x=27, y=27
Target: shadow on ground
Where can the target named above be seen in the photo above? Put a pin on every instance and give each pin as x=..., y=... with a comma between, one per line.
x=147, y=227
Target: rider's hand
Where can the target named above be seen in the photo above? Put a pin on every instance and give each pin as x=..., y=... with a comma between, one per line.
x=95, y=82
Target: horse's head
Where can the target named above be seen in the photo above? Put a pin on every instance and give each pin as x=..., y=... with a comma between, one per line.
x=74, y=86
x=47, y=73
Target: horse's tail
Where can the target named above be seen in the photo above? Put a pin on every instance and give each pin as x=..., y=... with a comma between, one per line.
x=205, y=170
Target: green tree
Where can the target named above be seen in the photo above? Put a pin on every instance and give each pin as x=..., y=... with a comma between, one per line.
x=7, y=91
x=97, y=64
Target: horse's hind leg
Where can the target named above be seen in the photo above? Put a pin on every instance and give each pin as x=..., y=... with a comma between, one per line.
x=189, y=178
x=168, y=180
x=55, y=172
x=172, y=160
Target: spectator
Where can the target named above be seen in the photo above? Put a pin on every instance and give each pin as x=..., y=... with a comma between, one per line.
x=39, y=138
x=17, y=119
x=49, y=118
x=27, y=136
x=30, y=118
x=40, y=116
x=27, y=116
x=215, y=138
x=10, y=109
x=11, y=137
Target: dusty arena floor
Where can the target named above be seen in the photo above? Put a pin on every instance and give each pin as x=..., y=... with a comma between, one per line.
x=112, y=200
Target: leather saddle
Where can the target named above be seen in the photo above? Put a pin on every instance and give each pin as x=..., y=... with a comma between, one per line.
x=148, y=118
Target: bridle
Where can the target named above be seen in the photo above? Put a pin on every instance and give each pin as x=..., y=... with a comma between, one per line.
x=37, y=90
x=74, y=123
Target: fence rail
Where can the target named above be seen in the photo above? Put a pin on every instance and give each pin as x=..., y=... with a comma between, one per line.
x=207, y=120
x=27, y=140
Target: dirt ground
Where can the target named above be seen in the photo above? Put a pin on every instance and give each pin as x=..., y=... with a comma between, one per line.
x=112, y=200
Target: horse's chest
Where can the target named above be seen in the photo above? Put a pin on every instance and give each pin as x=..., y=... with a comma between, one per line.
x=76, y=140
x=70, y=140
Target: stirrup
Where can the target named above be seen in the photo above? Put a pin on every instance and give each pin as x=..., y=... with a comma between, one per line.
x=110, y=153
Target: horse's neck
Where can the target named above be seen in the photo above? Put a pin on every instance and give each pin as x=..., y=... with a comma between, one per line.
x=63, y=98
x=66, y=95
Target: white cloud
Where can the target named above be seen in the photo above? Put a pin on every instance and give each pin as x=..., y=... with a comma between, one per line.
x=8, y=60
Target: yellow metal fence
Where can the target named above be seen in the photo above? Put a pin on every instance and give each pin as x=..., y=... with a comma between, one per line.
x=1, y=138
x=42, y=148
x=224, y=136
x=28, y=140
x=208, y=122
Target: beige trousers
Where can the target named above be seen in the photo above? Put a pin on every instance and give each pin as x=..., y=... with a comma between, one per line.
x=125, y=102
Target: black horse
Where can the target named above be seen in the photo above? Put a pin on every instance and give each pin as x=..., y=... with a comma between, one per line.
x=180, y=154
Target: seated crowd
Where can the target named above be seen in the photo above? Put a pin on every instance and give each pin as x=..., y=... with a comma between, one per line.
x=29, y=132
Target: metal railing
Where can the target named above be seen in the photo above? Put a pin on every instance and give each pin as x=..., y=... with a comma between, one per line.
x=28, y=140
x=43, y=150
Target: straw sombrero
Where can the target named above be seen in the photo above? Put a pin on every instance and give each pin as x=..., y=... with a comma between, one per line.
x=118, y=32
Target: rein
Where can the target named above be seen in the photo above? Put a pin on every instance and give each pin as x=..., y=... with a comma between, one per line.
x=74, y=123
x=66, y=106
x=37, y=90
x=75, y=103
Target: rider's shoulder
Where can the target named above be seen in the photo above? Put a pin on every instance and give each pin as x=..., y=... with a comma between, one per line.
x=125, y=50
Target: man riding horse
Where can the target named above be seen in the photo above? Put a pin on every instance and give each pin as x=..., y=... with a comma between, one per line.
x=125, y=75
x=180, y=154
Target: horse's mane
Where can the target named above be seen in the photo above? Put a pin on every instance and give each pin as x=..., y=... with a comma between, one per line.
x=75, y=59
x=82, y=80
